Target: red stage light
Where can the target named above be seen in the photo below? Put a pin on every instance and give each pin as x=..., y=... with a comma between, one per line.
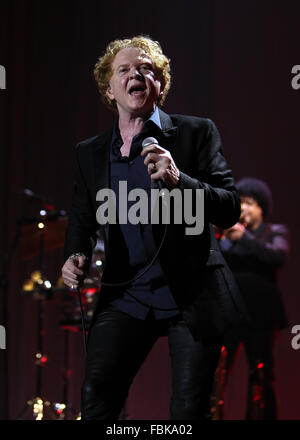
x=43, y=360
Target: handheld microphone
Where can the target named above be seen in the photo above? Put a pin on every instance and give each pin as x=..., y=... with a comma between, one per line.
x=146, y=142
x=149, y=141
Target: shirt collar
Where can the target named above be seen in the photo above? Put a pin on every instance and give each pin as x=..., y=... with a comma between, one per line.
x=155, y=117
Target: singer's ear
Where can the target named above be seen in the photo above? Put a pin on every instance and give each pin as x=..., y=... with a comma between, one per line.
x=109, y=93
x=162, y=87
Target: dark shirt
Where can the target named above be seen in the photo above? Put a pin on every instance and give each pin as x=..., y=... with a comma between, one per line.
x=150, y=291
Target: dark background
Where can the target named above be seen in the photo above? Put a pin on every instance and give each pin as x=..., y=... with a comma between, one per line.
x=231, y=61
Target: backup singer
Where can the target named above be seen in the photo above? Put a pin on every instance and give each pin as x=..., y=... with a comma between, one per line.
x=255, y=250
x=188, y=293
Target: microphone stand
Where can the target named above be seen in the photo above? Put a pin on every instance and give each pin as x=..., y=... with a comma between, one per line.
x=38, y=404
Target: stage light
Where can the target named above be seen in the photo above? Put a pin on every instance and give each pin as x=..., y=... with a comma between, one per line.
x=36, y=276
x=47, y=284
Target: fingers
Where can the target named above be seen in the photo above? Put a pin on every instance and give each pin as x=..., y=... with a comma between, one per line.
x=236, y=227
x=151, y=168
x=156, y=155
x=155, y=162
x=71, y=273
x=152, y=157
x=153, y=148
x=233, y=228
x=157, y=174
x=160, y=165
x=81, y=261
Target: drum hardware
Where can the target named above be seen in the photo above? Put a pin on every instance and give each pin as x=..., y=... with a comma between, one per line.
x=36, y=236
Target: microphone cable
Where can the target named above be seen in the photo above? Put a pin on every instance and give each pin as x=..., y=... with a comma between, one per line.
x=148, y=141
x=77, y=289
x=123, y=283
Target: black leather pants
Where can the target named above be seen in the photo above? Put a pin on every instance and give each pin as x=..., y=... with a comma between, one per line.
x=118, y=344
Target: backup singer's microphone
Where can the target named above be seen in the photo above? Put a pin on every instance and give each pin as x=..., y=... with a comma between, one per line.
x=146, y=142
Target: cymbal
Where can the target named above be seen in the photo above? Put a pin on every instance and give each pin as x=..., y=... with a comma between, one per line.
x=51, y=232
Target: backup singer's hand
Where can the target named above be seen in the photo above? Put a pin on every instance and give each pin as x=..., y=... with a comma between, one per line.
x=71, y=272
x=161, y=165
x=235, y=232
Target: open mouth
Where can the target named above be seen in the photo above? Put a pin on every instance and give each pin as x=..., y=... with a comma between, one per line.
x=137, y=90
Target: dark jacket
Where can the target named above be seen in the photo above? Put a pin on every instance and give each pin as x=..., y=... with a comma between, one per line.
x=200, y=281
x=255, y=260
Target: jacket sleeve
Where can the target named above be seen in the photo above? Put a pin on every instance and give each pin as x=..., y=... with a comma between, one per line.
x=272, y=252
x=82, y=224
x=221, y=200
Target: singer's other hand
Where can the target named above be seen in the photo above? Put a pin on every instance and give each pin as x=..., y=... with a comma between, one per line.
x=161, y=165
x=72, y=272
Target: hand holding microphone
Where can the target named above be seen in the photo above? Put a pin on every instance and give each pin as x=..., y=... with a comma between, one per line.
x=161, y=166
x=236, y=232
x=73, y=271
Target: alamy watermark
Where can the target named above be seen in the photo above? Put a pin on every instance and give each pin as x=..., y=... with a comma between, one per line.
x=296, y=79
x=188, y=207
x=2, y=77
x=295, y=342
x=2, y=338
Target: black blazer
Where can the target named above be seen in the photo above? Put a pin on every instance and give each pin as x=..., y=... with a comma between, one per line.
x=198, y=276
x=255, y=261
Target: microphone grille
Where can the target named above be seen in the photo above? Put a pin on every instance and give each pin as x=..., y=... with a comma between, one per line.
x=148, y=141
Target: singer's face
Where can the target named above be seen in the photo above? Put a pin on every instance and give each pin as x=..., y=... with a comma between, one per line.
x=251, y=212
x=134, y=84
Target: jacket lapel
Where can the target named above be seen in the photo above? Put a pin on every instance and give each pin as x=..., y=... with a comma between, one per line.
x=100, y=167
x=168, y=131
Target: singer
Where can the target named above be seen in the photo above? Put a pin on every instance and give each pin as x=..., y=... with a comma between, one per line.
x=187, y=292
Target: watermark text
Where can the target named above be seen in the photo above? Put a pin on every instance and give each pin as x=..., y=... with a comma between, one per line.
x=2, y=77
x=296, y=79
x=177, y=207
x=295, y=342
x=2, y=338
